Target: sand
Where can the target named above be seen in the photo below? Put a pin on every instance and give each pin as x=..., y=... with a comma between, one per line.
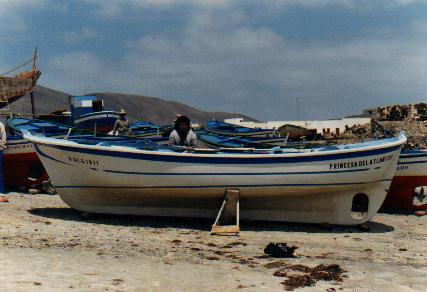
x=46, y=246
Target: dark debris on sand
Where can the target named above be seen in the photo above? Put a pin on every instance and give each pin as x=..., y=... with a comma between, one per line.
x=280, y=250
x=310, y=275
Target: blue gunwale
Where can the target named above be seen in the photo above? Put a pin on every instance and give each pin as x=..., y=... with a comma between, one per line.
x=41, y=153
x=224, y=159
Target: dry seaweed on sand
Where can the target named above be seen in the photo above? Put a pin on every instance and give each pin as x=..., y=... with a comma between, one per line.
x=309, y=275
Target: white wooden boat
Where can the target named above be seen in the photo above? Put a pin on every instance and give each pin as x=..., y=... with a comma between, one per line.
x=321, y=185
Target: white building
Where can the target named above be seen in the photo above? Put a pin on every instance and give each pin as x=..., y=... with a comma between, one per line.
x=326, y=126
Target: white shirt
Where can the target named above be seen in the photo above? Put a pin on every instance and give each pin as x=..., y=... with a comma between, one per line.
x=190, y=140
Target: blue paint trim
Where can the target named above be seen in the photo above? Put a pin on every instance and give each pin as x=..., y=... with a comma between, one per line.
x=234, y=174
x=212, y=174
x=12, y=143
x=412, y=162
x=227, y=159
x=41, y=153
x=208, y=173
x=222, y=186
x=414, y=155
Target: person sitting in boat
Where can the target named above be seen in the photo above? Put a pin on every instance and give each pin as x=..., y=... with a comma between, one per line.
x=122, y=126
x=183, y=135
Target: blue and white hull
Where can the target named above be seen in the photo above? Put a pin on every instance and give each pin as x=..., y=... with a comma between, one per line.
x=102, y=122
x=313, y=186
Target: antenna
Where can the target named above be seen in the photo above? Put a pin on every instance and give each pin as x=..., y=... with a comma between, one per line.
x=296, y=100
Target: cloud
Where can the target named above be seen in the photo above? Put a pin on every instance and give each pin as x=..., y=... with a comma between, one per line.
x=82, y=35
x=10, y=13
x=220, y=60
x=258, y=72
x=339, y=3
x=217, y=63
x=115, y=9
x=76, y=71
x=419, y=27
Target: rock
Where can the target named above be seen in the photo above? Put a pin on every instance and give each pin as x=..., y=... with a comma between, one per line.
x=280, y=250
x=420, y=213
x=33, y=191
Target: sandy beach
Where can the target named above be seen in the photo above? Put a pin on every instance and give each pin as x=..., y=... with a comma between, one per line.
x=45, y=246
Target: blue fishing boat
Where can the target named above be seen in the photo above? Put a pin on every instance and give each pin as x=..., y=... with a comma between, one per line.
x=213, y=140
x=88, y=113
x=146, y=129
x=226, y=129
x=22, y=166
x=17, y=125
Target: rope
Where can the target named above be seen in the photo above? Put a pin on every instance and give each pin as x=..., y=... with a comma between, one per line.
x=17, y=67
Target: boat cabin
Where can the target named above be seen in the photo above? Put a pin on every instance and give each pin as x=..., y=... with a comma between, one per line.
x=81, y=105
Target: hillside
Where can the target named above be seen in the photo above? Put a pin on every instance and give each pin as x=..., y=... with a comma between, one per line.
x=156, y=110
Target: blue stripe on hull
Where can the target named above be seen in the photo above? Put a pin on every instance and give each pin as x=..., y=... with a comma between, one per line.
x=226, y=159
x=405, y=156
x=412, y=162
x=41, y=153
x=223, y=186
x=235, y=174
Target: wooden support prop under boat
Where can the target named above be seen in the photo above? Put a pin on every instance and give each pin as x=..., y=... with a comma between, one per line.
x=228, y=213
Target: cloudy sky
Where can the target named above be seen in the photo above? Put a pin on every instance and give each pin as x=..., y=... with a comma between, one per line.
x=270, y=59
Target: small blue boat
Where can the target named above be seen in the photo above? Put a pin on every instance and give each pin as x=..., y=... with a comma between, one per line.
x=214, y=140
x=147, y=129
x=226, y=129
x=17, y=125
x=88, y=113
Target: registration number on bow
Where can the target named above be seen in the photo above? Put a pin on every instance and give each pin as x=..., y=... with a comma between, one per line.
x=83, y=161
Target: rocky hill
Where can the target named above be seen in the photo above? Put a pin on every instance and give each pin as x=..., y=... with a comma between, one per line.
x=156, y=110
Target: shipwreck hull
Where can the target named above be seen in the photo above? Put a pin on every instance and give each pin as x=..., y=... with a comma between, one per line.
x=12, y=88
x=295, y=187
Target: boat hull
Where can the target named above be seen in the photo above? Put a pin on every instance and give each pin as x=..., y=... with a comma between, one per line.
x=102, y=122
x=20, y=163
x=315, y=188
x=273, y=206
x=226, y=129
x=258, y=133
x=411, y=173
x=12, y=88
